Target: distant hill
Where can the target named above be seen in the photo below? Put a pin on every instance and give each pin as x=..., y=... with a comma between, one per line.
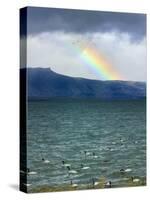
x=45, y=83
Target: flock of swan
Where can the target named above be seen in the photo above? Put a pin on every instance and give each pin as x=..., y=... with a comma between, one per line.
x=108, y=184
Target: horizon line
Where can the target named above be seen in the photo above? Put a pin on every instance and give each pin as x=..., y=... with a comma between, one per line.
x=49, y=68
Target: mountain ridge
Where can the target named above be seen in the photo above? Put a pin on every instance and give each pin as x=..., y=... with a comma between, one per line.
x=43, y=83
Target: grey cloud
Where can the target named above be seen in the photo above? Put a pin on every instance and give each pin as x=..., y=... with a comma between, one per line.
x=83, y=21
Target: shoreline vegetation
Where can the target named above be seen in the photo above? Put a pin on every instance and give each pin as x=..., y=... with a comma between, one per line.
x=139, y=181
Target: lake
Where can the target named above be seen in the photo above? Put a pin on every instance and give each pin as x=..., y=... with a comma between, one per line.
x=76, y=143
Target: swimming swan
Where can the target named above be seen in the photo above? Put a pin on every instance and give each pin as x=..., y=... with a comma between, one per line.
x=125, y=170
x=94, y=156
x=73, y=184
x=128, y=170
x=28, y=172
x=86, y=167
x=94, y=183
x=108, y=184
x=45, y=161
x=32, y=173
x=65, y=164
x=71, y=171
x=135, y=180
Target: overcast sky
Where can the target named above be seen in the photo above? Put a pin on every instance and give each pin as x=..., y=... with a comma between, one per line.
x=120, y=37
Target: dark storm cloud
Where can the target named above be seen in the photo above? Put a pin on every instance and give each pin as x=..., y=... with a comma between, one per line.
x=79, y=21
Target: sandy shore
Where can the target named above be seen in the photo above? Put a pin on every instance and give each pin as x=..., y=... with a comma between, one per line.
x=100, y=185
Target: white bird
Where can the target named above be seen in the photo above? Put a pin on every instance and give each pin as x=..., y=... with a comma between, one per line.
x=86, y=167
x=73, y=184
x=113, y=142
x=65, y=164
x=128, y=170
x=121, y=140
x=94, y=156
x=111, y=149
x=45, y=161
x=32, y=173
x=87, y=153
x=136, y=180
x=28, y=172
x=94, y=183
x=73, y=172
x=125, y=170
x=108, y=184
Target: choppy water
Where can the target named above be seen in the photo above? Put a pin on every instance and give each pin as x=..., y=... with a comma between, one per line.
x=113, y=134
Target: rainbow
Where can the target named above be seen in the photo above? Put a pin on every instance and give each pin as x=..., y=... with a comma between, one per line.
x=97, y=62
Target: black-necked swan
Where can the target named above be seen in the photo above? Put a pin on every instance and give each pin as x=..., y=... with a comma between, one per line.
x=87, y=153
x=94, y=183
x=125, y=170
x=65, y=164
x=128, y=170
x=108, y=184
x=86, y=167
x=135, y=180
x=71, y=171
x=73, y=184
x=45, y=161
x=94, y=155
x=30, y=172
